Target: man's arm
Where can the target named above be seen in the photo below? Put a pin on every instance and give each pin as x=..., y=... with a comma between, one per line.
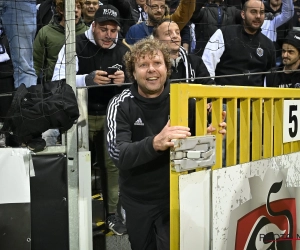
x=60, y=69
x=213, y=51
x=200, y=70
x=127, y=154
x=198, y=13
x=39, y=53
x=287, y=12
x=184, y=12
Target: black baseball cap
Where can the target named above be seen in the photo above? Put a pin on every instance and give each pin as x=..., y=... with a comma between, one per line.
x=107, y=13
x=293, y=38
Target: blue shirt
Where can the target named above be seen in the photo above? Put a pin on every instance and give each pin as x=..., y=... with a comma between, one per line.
x=137, y=32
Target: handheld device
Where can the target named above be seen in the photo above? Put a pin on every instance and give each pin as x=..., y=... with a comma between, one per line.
x=111, y=70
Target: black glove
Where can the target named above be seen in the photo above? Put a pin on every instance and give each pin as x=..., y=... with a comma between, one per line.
x=89, y=79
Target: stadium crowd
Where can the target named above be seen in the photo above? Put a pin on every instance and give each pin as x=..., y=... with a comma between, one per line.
x=147, y=43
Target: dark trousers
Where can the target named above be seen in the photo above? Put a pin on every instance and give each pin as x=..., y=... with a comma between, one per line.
x=148, y=225
x=6, y=86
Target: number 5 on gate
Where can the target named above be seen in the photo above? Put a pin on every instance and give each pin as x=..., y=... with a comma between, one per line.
x=291, y=119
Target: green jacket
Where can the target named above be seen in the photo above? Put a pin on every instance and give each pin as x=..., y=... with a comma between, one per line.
x=47, y=45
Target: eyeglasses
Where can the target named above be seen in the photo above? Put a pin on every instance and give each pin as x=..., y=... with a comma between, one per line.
x=156, y=7
x=88, y=3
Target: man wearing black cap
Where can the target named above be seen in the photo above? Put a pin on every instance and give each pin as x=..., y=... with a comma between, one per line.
x=291, y=61
x=99, y=52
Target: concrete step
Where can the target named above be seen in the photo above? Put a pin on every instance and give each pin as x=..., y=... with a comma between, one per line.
x=116, y=242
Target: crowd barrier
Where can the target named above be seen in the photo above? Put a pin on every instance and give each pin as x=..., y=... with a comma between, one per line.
x=265, y=120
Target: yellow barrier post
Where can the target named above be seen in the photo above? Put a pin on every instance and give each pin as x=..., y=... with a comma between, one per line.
x=244, y=130
x=201, y=112
x=231, y=135
x=179, y=116
x=257, y=129
x=217, y=108
x=278, y=136
x=268, y=128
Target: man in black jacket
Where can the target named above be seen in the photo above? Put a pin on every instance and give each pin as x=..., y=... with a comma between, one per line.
x=184, y=66
x=98, y=51
x=291, y=61
x=139, y=135
x=241, y=49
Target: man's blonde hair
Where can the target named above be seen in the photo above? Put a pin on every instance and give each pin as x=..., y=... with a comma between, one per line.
x=142, y=48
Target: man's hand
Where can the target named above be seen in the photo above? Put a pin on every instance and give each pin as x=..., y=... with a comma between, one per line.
x=162, y=141
x=101, y=77
x=118, y=77
x=223, y=125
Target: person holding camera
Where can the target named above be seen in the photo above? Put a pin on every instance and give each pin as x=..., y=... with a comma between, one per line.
x=99, y=61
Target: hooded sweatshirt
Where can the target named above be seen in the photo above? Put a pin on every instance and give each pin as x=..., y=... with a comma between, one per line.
x=91, y=57
x=47, y=45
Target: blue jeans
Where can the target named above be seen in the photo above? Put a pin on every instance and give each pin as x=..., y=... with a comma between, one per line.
x=19, y=22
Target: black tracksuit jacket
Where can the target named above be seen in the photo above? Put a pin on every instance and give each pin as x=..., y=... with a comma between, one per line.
x=132, y=123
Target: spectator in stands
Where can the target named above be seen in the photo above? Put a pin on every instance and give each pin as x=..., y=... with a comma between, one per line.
x=241, y=49
x=139, y=136
x=131, y=12
x=6, y=79
x=137, y=14
x=274, y=20
x=45, y=12
x=296, y=17
x=19, y=23
x=291, y=61
x=156, y=10
x=137, y=10
x=185, y=32
x=89, y=9
x=51, y=38
x=274, y=8
x=184, y=66
x=97, y=50
x=210, y=17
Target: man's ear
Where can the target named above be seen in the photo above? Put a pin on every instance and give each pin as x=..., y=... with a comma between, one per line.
x=146, y=8
x=243, y=14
